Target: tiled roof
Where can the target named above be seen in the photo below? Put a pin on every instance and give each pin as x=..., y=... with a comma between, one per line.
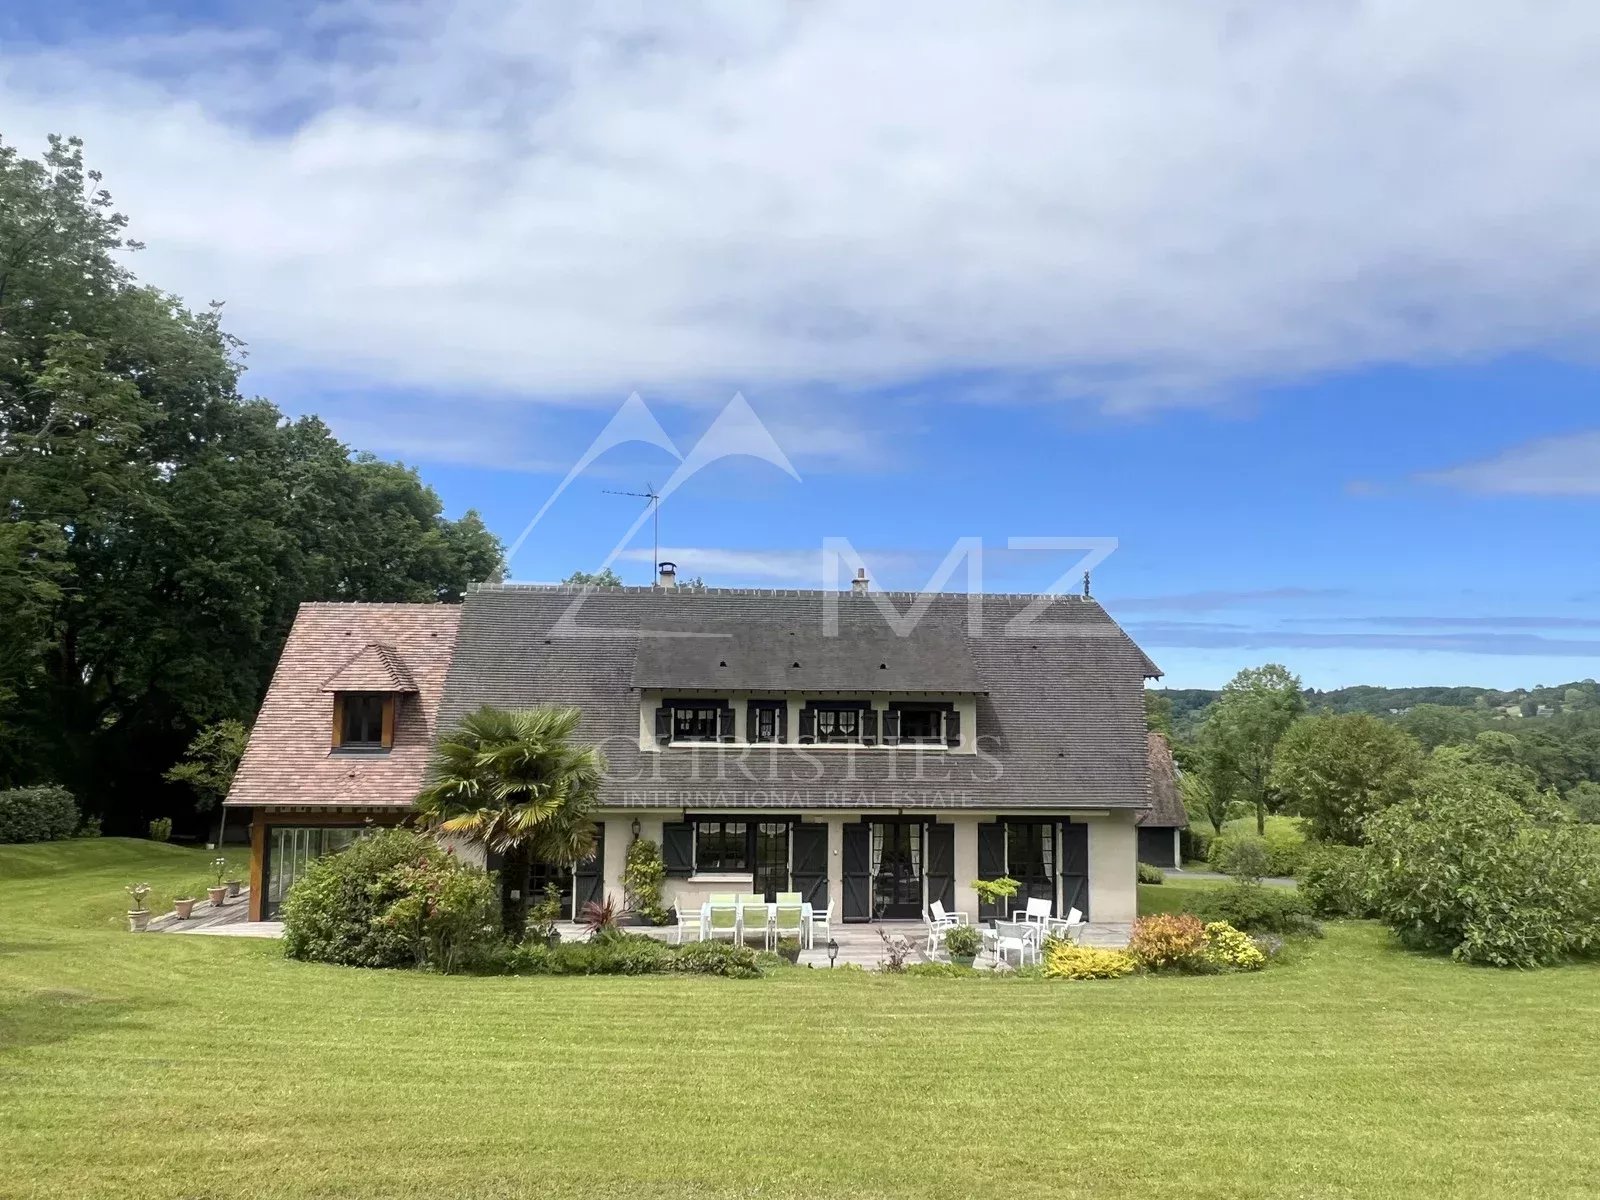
x=762, y=656
x=290, y=759
x=377, y=668
x=1166, y=799
x=1061, y=721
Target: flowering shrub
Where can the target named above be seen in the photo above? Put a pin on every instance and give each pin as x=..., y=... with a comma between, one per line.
x=1067, y=960
x=1227, y=949
x=1167, y=942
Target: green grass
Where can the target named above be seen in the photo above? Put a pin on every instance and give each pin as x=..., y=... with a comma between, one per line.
x=160, y=1066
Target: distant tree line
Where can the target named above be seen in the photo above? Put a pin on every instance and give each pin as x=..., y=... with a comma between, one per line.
x=159, y=528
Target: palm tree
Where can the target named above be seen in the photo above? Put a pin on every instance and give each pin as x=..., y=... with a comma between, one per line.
x=515, y=782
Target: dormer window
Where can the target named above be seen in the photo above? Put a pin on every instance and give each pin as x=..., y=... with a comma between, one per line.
x=838, y=723
x=363, y=720
x=694, y=721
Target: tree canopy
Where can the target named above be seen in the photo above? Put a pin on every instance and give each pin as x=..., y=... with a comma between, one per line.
x=1337, y=771
x=160, y=528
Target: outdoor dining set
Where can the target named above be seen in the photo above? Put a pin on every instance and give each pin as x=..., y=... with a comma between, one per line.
x=1021, y=935
x=744, y=917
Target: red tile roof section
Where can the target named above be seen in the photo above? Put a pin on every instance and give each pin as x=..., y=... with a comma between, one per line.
x=377, y=668
x=290, y=759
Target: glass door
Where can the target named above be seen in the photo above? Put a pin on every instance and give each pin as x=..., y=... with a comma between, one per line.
x=897, y=870
x=290, y=849
x=1031, y=861
x=771, y=862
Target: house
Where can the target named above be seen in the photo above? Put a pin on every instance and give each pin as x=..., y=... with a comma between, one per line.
x=875, y=751
x=1161, y=824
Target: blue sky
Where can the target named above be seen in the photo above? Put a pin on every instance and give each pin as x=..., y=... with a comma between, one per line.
x=1297, y=303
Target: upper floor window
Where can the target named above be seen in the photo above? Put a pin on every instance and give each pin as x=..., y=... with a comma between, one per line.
x=694, y=721
x=838, y=722
x=839, y=725
x=921, y=725
x=698, y=724
x=361, y=720
x=767, y=721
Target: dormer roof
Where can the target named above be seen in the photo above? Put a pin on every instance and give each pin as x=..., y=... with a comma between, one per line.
x=375, y=668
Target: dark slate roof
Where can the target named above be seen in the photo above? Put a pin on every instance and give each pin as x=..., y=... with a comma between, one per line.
x=1060, y=714
x=1166, y=799
x=763, y=656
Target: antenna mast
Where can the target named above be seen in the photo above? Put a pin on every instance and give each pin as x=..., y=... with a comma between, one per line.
x=654, y=497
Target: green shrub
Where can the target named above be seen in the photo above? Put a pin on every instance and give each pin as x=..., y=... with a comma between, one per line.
x=632, y=954
x=1149, y=874
x=1194, y=844
x=1244, y=858
x=962, y=941
x=715, y=958
x=542, y=917
x=161, y=829
x=1284, y=845
x=1168, y=942
x=1333, y=880
x=642, y=879
x=37, y=814
x=392, y=899
x=1258, y=909
x=941, y=970
x=1465, y=868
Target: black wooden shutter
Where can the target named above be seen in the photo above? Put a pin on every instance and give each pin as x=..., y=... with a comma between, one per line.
x=663, y=725
x=725, y=724
x=808, y=726
x=1075, y=869
x=942, y=865
x=588, y=880
x=991, y=863
x=782, y=725
x=952, y=728
x=751, y=726
x=891, y=727
x=857, y=872
x=677, y=848
x=808, y=847
x=869, y=727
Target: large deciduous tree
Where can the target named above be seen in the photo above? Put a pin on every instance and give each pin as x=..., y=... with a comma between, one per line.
x=159, y=528
x=1255, y=710
x=1337, y=771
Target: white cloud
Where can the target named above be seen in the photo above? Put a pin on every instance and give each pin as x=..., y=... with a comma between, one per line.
x=1556, y=466
x=1144, y=204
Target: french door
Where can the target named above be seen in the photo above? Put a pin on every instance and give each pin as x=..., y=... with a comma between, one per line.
x=1031, y=861
x=770, y=860
x=290, y=850
x=897, y=856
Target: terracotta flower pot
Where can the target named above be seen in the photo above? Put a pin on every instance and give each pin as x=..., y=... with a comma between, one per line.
x=234, y=887
x=183, y=908
x=216, y=896
x=138, y=920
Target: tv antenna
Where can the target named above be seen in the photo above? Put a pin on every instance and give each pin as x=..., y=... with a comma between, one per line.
x=654, y=497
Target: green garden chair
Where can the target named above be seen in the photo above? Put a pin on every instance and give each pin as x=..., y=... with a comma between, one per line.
x=755, y=918
x=724, y=916
x=789, y=920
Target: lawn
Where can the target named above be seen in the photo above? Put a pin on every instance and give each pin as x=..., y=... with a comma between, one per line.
x=159, y=1066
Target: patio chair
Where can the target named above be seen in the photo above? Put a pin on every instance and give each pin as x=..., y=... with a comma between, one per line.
x=755, y=917
x=1015, y=937
x=955, y=918
x=1072, y=924
x=821, y=919
x=938, y=921
x=1037, y=914
x=790, y=898
x=689, y=921
x=789, y=920
x=724, y=916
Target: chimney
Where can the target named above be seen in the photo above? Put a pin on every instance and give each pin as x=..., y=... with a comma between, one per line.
x=669, y=575
x=860, y=583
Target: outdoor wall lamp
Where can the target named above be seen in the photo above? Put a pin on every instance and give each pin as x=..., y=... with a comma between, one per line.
x=636, y=828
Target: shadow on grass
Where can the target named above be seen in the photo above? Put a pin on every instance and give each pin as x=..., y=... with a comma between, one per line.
x=50, y=1015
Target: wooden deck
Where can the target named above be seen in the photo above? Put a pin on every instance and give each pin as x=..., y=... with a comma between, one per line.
x=231, y=920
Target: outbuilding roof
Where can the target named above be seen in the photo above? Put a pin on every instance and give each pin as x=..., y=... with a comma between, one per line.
x=1166, y=798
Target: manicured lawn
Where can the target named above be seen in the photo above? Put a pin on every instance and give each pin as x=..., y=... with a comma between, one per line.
x=161, y=1066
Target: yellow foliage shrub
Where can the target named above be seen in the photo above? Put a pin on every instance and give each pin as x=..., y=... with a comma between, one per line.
x=1064, y=960
x=1229, y=949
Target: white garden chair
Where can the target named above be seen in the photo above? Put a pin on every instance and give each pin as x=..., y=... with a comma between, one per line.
x=954, y=918
x=755, y=918
x=938, y=920
x=1071, y=927
x=689, y=922
x=1015, y=937
x=724, y=916
x=820, y=923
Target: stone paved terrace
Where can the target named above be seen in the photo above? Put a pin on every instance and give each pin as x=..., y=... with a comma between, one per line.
x=859, y=945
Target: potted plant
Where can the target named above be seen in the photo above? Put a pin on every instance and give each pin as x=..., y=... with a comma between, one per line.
x=183, y=903
x=235, y=883
x=216, y=893
x=997, y=891
x=961, y=942
x=789, y=949
x=139, y=914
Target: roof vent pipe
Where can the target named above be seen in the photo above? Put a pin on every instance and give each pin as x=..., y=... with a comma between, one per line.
x=669, y=574
x=860, y=583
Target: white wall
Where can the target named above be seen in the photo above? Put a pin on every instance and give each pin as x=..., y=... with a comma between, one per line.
x=1113, y=868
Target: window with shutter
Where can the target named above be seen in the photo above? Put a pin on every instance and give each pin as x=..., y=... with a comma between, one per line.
x=663, y=725
x=891, y=727
x=952, y=728
x=765, y=721
x=808, y=726
x=869, y=727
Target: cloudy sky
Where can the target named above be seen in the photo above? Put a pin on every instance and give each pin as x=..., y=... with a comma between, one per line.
x=1297, y=303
